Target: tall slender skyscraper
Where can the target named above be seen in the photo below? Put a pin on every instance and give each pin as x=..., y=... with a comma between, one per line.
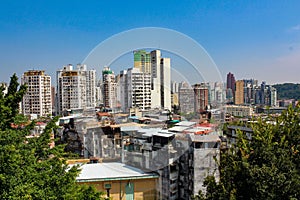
x=230, y=87
x=239, y=92
x=91, y=84
x=174, y=87
x=37, y=99
x=160, y=70
x=109, y=88
x=161, y=80
x=230, y=81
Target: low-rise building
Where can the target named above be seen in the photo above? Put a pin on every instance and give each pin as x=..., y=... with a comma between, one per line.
x=87, y=137
x=232, y=134
x=239, y=111
x=120, y=181
x=270, y=110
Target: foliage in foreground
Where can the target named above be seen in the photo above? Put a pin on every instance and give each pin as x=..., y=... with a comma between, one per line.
x=29, y=169
x=267, y=167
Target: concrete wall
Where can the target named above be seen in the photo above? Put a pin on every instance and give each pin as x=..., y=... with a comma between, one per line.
x=204, y=164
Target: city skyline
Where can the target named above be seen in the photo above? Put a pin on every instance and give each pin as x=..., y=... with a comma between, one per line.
x=245, y=38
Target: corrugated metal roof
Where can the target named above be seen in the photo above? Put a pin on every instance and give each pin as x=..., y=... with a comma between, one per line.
x=178, y=128
x=149, y=132
x=164, y=133
x=197, y=129
x=110, y=171
x=130, y=128
x=185, y=123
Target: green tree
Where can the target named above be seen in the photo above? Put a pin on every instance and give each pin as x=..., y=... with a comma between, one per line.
x=9, y=103
x=265, y=167
x=29, y=168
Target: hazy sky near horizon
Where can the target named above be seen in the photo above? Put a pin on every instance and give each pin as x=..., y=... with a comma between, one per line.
x=252, y=39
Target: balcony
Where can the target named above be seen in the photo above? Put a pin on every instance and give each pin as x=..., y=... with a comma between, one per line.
x=173, y=195
x=174, y=175
x=173, y=187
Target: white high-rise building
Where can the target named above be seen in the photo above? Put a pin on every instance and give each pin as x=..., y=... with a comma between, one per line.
x=165, y=81
x=273, y=96
x=37, y=99
x=174, y=87
x=217, y=94
x=109, y=88
x=99, y=99
x=122, y=90
x=76, y=88
x=160, y=69
x=91, y=83
x=134, y=89
x=161, y=81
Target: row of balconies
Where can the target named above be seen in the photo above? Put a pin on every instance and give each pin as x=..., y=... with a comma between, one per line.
x=141, y=97
x=36, y=102
x=142, y=101
x=141, y=88
x=140, y=82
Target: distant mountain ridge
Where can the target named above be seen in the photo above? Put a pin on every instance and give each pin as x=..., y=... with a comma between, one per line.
x=288, y=91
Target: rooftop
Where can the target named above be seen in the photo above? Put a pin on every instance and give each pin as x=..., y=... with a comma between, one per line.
x=205, y=138
x=178, y=128
x=242, y=128
x=185, y=123
x=164, y=133
x=111, y=171
x=130, y=126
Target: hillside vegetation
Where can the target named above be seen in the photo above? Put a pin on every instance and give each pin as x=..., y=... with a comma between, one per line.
x=288, y=91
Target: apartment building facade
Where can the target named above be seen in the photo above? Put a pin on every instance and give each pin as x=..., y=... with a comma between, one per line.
x=109, y=89
x=37, y=99
x=160, y=70
x=134, y=89
x=239, y=92
x=201, y=95
x=76, y=88
x=186, y=98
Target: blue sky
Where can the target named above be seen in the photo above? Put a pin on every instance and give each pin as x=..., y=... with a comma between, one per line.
x=252, y=39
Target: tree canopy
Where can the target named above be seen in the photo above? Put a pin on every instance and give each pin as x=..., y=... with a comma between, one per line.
x=29, y=168
x=265, y=167
x=288, y=91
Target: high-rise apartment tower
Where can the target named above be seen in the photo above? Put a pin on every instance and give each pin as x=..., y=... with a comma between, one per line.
x=37, y=99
